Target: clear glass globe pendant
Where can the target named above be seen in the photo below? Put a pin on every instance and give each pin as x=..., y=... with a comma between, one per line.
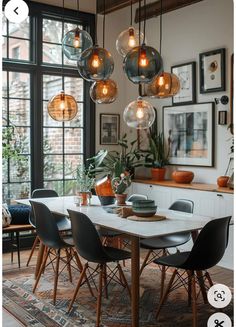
x=139, y=114
x=163, y=86
x=62, y=107
x=95, y=64
x=142, y=64
x=127, y=40
x=75, y=42
x=103, y=91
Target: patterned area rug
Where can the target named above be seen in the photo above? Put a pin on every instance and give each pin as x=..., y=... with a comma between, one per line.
x=37, y=309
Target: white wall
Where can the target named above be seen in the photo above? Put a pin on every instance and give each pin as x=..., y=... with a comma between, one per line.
x=204, y=26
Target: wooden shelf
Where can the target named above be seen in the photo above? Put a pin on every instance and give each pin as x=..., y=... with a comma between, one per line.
x=192, y=186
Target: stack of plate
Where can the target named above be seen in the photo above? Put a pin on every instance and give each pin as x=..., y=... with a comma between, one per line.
x=144, y=208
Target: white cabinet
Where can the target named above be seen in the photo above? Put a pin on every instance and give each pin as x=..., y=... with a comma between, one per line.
x=206, y=203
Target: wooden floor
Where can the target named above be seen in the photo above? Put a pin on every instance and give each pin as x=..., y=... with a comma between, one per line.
x=11, y=270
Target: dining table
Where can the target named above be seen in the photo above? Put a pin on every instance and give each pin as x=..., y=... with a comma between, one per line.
x=175, y=222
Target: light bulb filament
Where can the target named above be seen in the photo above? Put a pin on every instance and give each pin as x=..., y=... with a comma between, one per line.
x=77, y=39
x=161, y=80
x=104, y=90
x=143, y=61
x=140, y=113
x=131, y=41
x=62, y=102
x=95, y=61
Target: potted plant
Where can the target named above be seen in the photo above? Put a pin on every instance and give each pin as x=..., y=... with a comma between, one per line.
x=157, y=157
x=84, y=184
x=119, y=185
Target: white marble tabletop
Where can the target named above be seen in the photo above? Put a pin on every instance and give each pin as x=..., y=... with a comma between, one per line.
x=175, y=222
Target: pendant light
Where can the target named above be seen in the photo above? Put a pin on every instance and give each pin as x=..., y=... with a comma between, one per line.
x=96, y=63
x=129, y=38
x=76, y=41
x=166, y=84
x=142, y=63
x=62, y=107
x=139, y=114
x=103, y=91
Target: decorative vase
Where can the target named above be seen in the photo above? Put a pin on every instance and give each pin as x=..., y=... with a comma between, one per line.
x=182, y=176
x=158, y=174
x=84, y=198
x=104, y=191
x=222, y=181
x=120, y=198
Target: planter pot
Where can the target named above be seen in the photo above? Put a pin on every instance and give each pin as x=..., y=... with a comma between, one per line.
x=84, y=198
x=222, y=181
x=158, y=174
x=120, y=198
x=182, y=176
x=104, y=191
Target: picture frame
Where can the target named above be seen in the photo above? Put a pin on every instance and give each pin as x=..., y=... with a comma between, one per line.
x=109, y=129
x=212, y=71
x=144, y=134
x=186, y=73
x=189, y=131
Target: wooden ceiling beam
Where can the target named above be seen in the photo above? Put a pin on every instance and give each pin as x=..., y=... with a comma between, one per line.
x=113, y=5
x=154, y=9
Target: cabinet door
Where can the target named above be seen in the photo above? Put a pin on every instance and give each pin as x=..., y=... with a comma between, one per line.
x=161, y=195
x=228, y=259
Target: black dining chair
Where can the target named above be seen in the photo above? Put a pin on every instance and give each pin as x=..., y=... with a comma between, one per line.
x=137, y=197
x=206, y=252
x=48, y=233
x=157, y=246
x=63, y=223
x=89, y=246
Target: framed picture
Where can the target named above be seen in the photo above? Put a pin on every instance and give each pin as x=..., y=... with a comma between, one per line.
x=190, y=134
x=143, y=135
x=187, y=77
x=109, y=129
x=212, y=71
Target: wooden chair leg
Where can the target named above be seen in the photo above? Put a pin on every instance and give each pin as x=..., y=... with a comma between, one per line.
x=99, y=299
x=105, y=280
x=68, y=256
x=123, y=278
x=165, y=296
x=202, y=285
x=36, y=241
x=56, y=276
x=189, y=287
x=12, y=248
x=145, y=261
x=82, y=275
x=208, y=277
x=18, y=247
x=163, y=277
x=41, y=270
x=194, y=300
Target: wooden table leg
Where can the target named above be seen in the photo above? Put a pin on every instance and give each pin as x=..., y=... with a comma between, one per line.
x=135, y=261
x=39, y=258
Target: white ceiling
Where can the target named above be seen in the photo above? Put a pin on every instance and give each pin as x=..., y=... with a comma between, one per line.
x=84, y=5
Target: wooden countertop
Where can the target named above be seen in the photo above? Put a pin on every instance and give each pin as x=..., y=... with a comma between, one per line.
x=192, y=186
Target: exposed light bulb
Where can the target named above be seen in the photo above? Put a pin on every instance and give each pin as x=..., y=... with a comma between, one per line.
x=143, y=61
x=161, y=80
x=62, y=102
x=139, y=113
x=104, y=89
x=76, y=42
x=131, y=41
x=95, y=61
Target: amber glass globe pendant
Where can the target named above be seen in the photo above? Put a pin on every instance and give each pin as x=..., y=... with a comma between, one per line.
x=62, y=107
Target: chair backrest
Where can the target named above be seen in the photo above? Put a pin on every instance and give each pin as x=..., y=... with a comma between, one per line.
x=46, y=226
x=182, y=205
x=210, y=245
x=40, y=193
x=86, y=237
x=137, y=197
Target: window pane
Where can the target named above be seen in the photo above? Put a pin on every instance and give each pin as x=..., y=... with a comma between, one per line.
x=69, y=26
x=19, y=49
x=4, y=171
x=4, y=112
x=4, y=84
x=4, y=47
x=47, y=120
x=52, y=140
x=70, y=187
x=52, y=31
x=20, y=169
x=4, y=25
x=54, y=185
x=69, y=62
x=53, y=167
x=78, y=120
x=52, y=85
x=19, y=112
x=75, y=87
x=22, y=136
x=20, y=30
x=16, y=191
x=52, y=53
x=19, y=85
x=71, y=164
x=73, y=140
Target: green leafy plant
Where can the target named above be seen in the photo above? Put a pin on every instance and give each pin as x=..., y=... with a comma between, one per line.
x=120, y=184
x=84, y=181
x=157, y=157
x=115, y=163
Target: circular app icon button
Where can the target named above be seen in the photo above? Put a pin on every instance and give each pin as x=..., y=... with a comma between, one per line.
x=16, y=11
x=219, y=296
x=219, y=319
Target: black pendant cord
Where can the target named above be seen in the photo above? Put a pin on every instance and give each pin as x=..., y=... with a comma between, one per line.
x=96, y=25
x=161, y=28
x=103, y=28
x=131, y=12
x=139, y=22
x=144, y=24
x=77, y=2
x=62, y=54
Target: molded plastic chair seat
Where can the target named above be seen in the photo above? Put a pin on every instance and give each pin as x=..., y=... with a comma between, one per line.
x=103, y=232
x=114, y=254
x=136, y=197
x=174, y=260
x=168, y=241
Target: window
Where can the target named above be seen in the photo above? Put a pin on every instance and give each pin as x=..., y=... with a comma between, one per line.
x=34, y=71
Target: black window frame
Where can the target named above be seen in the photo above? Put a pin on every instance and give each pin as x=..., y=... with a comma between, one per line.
x=37, y=69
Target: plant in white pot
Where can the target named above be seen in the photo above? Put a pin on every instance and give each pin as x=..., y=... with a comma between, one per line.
x=84, y=184
x=120, y=185
x=157, y=156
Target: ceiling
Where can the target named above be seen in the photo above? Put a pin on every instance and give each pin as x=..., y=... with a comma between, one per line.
x=85, y=5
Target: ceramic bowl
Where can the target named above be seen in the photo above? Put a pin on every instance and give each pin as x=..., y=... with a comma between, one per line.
x=145, y=212
x=143, y=203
